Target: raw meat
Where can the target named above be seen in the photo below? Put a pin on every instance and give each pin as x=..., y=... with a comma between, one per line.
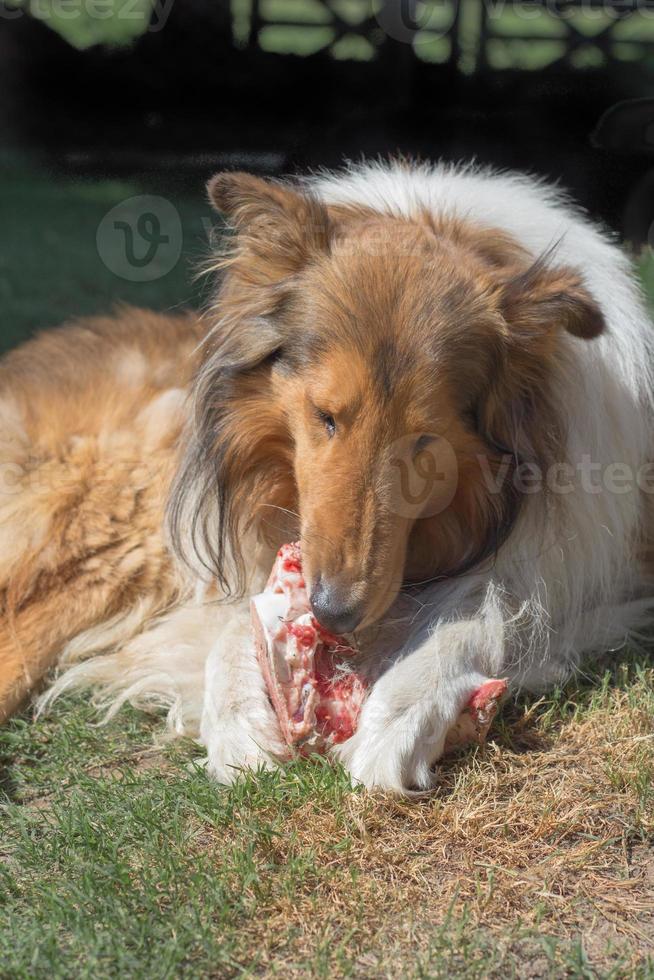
x=476, y=718
x=315, y=692
x=314, y=688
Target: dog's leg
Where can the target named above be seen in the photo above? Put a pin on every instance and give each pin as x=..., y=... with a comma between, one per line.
x=239, y=727
x=412, y=706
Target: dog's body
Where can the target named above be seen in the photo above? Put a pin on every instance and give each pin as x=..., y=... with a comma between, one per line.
x=365, y=321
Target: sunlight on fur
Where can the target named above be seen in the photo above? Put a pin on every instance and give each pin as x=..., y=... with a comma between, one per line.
x=360, y=320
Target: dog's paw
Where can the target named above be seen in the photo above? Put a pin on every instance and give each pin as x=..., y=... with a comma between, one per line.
x=239, y=727
x=402, y=734
x=398, y=755
x=240, y=733
x=233, y=749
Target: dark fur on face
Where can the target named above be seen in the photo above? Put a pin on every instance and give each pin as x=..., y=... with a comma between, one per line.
x=336, y=333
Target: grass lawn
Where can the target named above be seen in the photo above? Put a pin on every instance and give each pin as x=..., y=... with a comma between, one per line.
x=51, y=266
x=117, y=857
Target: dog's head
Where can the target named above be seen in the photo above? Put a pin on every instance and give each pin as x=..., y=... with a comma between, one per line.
x=373, y=374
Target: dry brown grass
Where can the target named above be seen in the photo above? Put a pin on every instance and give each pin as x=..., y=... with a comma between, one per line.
x=550, y=828
x=535, y=858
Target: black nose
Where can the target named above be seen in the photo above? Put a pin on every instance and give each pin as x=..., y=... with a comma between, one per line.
x=334, y=609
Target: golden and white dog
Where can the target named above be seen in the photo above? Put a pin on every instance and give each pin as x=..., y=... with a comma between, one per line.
x=439, y=378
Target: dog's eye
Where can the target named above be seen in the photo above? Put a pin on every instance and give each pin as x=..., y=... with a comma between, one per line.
x=328, y=421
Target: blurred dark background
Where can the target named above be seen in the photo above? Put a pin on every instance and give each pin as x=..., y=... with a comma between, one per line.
x=114, y=113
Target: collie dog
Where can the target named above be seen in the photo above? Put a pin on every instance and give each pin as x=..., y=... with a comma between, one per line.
x=438, y=378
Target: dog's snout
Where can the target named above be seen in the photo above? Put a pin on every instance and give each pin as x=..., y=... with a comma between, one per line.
x=334, y=608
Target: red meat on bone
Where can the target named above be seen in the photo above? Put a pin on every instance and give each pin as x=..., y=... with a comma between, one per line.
x=312, y=682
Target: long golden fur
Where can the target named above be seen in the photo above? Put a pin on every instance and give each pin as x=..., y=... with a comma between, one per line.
x=324, y=314
x=90, y=416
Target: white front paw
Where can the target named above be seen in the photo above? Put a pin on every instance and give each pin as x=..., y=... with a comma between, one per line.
x=395, y=750
x=233, y=747
x=402, y=729
x=239, y=727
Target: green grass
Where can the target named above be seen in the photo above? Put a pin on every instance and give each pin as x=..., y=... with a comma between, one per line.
x=134, y=871
x=118, y=858
x=50, y=265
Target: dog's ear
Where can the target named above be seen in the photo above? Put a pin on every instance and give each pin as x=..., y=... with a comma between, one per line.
x=279, y=227
x=238, y=452
x=544, y=298
x=519, y=411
